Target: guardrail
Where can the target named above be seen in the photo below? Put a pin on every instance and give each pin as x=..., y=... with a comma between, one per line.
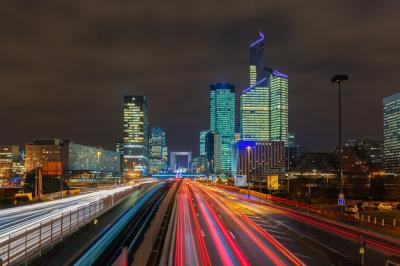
x=27, y=242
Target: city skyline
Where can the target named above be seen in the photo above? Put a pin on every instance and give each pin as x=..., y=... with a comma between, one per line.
x=199, y=133
x=88, y=72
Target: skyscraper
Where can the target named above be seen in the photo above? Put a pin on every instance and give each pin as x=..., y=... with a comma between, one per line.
x=256, y=67
x=119, y=149
x=279, y=106
x=222, y=124
x=391, y=133
x=158, y=150
x=264, y=105
x=255, y=112
x=135, y=136
x=202, y=142
x=257, y=159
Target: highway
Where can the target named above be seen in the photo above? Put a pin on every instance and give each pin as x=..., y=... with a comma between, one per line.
x=26, y=230
x=314, y=240
x=213, y=226
x=219, y=227
x=15, y=219
x=125, y=232
x=208, y=232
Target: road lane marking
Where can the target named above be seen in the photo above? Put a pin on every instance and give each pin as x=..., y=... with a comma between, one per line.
x=281, y=237
x=233, y=236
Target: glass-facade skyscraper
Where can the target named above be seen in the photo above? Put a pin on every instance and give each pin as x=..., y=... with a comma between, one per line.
x=279, y=106
x=391, y=133
x=136, y=126
x=158, y=151
x=256, y=66
x=222, y=124
x=254, y=112
x=264, y=105
x=202, y=142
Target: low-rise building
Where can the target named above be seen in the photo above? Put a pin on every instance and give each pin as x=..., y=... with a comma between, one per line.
x=73, y=162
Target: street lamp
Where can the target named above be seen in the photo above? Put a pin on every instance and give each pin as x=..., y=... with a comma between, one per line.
x=339, y=79
x=248, y=171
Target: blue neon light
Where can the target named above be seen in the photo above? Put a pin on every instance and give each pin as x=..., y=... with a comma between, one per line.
x=255, y=85
x=262, y=37
x=97, y=249
x=174, y=175
x=279, y=74
x=243, y=144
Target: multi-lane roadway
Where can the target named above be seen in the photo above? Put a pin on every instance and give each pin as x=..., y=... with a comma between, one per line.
x=219, y=227
x=209, y=232
x=18, y=218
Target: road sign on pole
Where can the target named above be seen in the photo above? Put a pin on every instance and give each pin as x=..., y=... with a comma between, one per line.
x=341, y=202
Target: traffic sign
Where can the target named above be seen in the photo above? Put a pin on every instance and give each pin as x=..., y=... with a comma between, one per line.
x=341, y=195
x=341, y=202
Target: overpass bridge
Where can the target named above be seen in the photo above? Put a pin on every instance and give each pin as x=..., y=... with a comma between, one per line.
x=178, y=175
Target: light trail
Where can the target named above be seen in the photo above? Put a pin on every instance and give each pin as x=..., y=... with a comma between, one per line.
x=331, y=227
x=245, y=223
x=16, y=219
x=214, y=223
x=190, y=247
x=98, y=248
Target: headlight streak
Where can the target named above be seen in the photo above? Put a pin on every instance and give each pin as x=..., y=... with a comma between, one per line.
x=221, y=204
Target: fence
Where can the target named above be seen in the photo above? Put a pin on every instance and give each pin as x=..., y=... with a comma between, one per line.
x=30, y=241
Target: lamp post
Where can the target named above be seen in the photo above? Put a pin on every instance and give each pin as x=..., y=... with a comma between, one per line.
x=259, y=175
x=339, y=79
x=61, y=186
x=248, y=171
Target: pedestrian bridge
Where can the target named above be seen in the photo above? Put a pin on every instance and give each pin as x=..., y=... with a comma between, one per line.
x=178, y=175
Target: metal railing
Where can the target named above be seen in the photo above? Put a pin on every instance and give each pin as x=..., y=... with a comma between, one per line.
x=30, y=241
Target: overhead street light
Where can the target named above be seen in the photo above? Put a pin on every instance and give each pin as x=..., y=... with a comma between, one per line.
x=339, y=79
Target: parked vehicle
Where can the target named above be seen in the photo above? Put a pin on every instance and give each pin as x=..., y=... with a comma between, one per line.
x=383, y=206
x=351, y=209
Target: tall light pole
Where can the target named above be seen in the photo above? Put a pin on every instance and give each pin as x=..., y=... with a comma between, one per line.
x=248, y=171
x=339, y=79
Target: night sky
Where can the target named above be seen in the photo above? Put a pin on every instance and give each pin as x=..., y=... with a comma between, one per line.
x=65, y=65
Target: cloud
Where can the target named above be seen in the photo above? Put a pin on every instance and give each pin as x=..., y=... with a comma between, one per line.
x=65, y=65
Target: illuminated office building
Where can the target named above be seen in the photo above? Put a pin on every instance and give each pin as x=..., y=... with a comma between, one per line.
x=258, y=159
x=279, y=106
x=46, y=154
x=202, y=141
x=10, y=162
x=255, y=112
x=119, y=149
x=135, y=136
x=158, y=151
x=256, y=67
x=391, y=133
x=75, y=163
x=222, y=124
x=264, y=105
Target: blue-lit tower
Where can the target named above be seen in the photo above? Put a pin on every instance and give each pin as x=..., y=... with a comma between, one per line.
x=222, y=125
